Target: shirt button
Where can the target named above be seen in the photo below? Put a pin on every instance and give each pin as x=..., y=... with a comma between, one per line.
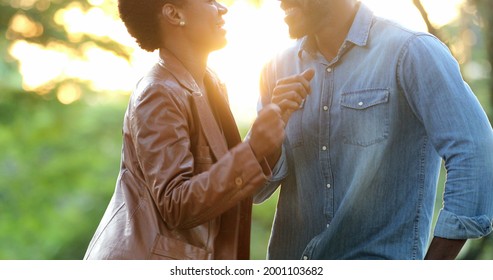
x=305, y=257
x=329, y=69
x=324, y=148
x=326, y=108
x=328, y=186
x=328, y=225
x=360, y=103
x=238, y=181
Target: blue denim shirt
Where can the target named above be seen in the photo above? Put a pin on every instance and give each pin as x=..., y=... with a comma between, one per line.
x=361, y=159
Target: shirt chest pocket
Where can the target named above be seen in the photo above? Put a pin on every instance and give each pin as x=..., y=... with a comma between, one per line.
x=365, y=116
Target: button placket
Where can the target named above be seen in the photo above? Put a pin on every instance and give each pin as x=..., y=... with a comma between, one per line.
x=324, y=139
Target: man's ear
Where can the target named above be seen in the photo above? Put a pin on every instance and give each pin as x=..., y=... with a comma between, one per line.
x=172, y=14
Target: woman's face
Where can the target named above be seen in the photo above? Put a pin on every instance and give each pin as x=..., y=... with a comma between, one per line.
x=204, y=23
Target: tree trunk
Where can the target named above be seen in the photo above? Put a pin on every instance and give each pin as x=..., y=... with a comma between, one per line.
x=424, y=15
x=485, y=10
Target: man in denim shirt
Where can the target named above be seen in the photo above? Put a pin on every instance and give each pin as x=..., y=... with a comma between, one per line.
x=366, y=135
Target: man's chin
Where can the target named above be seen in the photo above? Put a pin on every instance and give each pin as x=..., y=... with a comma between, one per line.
x=296, y=33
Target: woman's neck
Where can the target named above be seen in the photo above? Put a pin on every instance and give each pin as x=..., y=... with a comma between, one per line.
x=194, y=61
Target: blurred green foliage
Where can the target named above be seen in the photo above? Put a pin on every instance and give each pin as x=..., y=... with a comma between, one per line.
x=57, y=168
x=59, y=163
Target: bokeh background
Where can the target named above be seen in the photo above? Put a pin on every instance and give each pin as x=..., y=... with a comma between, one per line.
x=66, y=71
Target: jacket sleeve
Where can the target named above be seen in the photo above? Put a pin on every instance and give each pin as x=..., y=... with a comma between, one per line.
x=459, y=131
x=160, y=126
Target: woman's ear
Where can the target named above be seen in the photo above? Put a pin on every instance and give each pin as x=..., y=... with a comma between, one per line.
x=173, y=14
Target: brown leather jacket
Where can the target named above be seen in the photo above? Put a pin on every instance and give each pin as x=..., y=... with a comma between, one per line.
x=186, y=180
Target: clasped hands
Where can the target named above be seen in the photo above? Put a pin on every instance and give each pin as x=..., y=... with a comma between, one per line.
x=268, y=130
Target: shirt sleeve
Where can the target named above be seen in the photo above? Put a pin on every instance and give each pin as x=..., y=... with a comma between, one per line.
x=460, y=132
x=280, y=170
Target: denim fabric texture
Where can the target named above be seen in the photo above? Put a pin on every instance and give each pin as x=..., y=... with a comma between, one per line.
x=361, y=159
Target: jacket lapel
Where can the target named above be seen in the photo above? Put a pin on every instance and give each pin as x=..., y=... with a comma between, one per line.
x=210, y=128
x=218, y=96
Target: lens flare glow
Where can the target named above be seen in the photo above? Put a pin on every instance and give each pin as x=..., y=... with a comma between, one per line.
x=255, y=34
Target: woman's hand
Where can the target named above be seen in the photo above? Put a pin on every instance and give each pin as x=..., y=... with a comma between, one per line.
x=267, y=132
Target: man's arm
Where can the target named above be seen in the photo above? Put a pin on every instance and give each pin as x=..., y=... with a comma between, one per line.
x=460, y=132
x=288, y=93
x=444, y=249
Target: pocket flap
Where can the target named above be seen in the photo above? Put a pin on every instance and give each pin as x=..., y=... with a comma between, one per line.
x=363, y=99
x=170, y=248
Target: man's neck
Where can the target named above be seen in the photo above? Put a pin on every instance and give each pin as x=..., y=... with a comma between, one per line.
x=332, y=34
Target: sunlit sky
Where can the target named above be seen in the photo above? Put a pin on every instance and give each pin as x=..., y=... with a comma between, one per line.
x=254, y=35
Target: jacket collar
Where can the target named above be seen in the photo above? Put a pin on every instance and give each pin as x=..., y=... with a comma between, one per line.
x=179, y=72
x=210, y=127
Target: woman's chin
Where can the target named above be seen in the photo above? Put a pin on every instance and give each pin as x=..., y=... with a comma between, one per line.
x=219, y=44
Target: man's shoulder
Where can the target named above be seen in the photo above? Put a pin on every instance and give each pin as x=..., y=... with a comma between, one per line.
x=284, y=62
x=386, y=32
x=290, y=50
x=388, y=29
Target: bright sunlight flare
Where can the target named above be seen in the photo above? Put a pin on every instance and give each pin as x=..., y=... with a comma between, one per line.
x=255, y=33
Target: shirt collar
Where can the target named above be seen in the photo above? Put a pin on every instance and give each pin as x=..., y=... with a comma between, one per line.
x=358, y=33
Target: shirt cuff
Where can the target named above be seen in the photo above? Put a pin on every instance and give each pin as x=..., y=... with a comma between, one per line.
x=452, y=226
x=280, y=170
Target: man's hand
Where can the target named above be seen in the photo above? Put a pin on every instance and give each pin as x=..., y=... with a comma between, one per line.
x=444, y=249
x=267, y=132
x=290, y=92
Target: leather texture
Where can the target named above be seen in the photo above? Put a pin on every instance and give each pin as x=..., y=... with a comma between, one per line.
x=186, y=179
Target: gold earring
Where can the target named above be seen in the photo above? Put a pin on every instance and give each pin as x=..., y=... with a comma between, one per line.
x=182, y=23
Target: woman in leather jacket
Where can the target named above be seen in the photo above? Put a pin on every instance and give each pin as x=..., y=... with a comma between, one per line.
x=186, y=178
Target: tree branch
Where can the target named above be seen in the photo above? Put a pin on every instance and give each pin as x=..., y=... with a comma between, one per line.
x=424, y=15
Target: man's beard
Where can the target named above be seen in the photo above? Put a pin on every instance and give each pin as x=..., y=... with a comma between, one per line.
x=307, y=26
